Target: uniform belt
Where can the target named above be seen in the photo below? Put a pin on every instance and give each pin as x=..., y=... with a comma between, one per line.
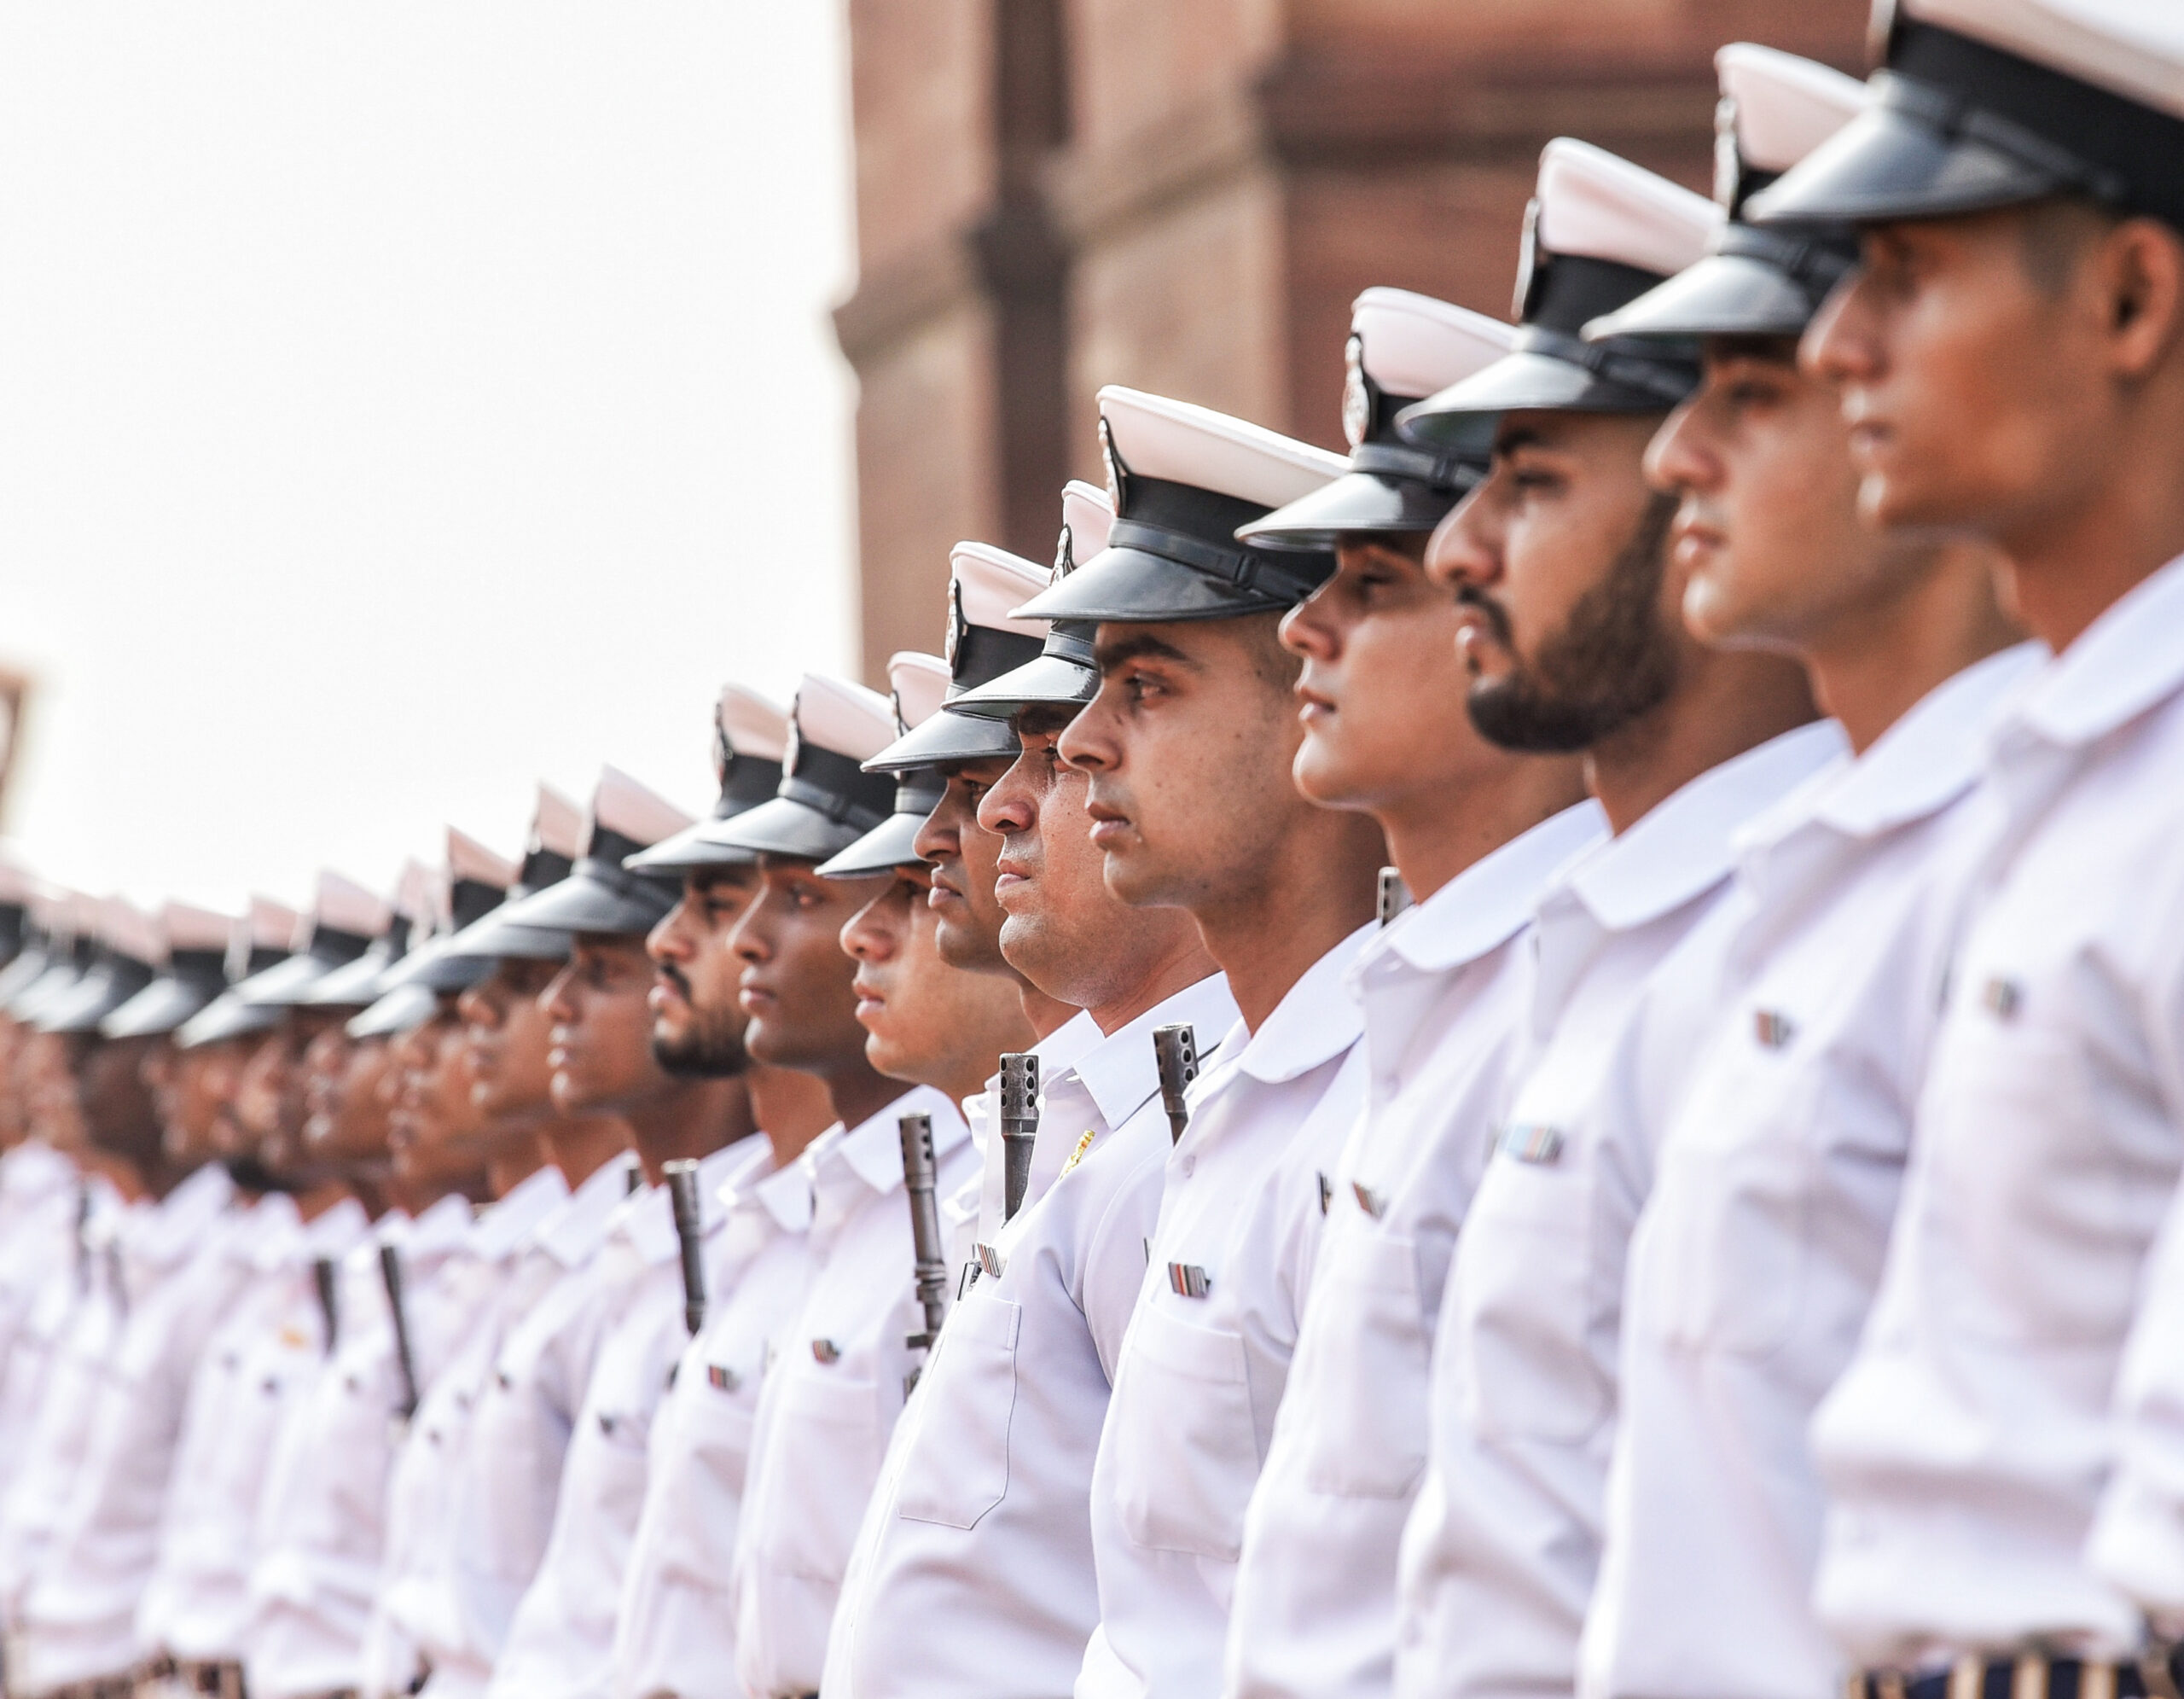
x=2156, y=1674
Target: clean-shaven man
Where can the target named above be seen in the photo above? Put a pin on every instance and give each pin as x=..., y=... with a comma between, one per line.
x=2010, y=359
x=1473, y=832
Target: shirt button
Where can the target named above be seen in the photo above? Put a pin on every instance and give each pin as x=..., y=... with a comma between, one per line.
x=1188, y=1165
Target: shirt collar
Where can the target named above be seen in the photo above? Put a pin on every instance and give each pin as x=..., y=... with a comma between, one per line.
x=783, y=1193
x=181, y=1219
x=1920, y=765
x=1683, y=847
x=514, y=1216
x=1120, y=1073
x=1317, y=1018
x=870, y=1154
x=440, y=1229
x=336, y=1230
x=1490, y=901
x=575, y=1231
x=648, y=1224
x=2123, y=663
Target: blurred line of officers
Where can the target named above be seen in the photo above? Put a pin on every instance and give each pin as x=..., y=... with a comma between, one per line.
x=1544, y=1060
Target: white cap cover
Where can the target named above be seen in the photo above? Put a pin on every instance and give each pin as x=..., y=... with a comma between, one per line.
x=189, y=928
x=467, y=859
x=919, y=683
x=557, y=823
x=987, y=582
x=1599, y=206
x=847, y=719
x=1154, y=437
x=622, y=806
x=1412, y=345
x=753, y=725
x=2131, y=48
x=346, y=906
x=1781, y=107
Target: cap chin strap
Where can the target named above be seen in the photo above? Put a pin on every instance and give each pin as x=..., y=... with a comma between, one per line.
x=1446, y=473
x=1246, y=569
x=1815, y=266
x=1670, y=381
x=1955, y=117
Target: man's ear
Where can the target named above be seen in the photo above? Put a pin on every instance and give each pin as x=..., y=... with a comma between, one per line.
x=2142, y=278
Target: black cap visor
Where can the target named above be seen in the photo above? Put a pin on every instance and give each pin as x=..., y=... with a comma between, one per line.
x=55, y=983
x=1548, y=372
x=689, y=848
x=794, y=830
x=1051, y=681
x=229, y=1015
x=885, y=847
x=598, y=896
x=354, y=984
x=1363, y=504
x=161, y=1007
x=945, y=740
x=1896, y=160
x=1730, y=295
x=403, y=1009
x=109, y=984
x=1132, y=585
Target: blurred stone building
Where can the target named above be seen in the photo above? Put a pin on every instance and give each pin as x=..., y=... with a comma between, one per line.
x=1185, y=196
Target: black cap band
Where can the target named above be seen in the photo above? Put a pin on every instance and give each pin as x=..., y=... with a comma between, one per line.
x=1653, y=372
x=1454, y=474
x=838, y=787
x=1286, y=577
x=2085, y=139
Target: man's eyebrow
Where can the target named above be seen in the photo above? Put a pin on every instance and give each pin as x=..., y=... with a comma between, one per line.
x=1519, y=437
x=1138, y=646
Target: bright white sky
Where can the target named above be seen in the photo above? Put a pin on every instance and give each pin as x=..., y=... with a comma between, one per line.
x=401, y=401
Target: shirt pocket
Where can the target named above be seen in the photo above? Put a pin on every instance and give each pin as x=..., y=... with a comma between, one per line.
x=1524, y=1304
x=1363, y=1407
x=831, y=1442
x=956, y=1466
x=2026, y=1188
x=1727, y=1231
x=1186, y=1448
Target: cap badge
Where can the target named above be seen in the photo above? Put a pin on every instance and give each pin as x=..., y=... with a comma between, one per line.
x=723, y=755
x=1728, y=164
x=1880, y=30
x=957, y=625
x=793, y=749
x=1065, y=556
x=1527, y=260
x=1357, y=391
x=901, y=725
x=1118, y=480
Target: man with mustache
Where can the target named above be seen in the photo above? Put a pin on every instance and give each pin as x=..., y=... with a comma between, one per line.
x=1474, y=832
x=839, y=1378
x=1187, y=749
x=2001, y=1454
x=182, y=1263
x=496, y=1273
x=1754, y=1262
x=1573, y=635
x=675, y=1627
x=193, y=1617
x=975, y=1567
x=555, y=1452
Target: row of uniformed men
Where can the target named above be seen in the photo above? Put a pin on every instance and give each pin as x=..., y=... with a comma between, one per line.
x=1720, y=1241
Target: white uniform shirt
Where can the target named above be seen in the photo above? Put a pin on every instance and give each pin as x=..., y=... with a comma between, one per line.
x=676, y=1631
x=561, y=1642
x=517, y=1438
x=1207, y=1355
x=321, y=1522
x=79, y=1618
x=1439, y=991
x=1965, y=1448
x=38, y=1219
x=973, y=1573
x=1755, y=1260
x=495, y=1276
x=1499, y=1556
x=833, y=1392
x=85, y=1316
x=198, y=1604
